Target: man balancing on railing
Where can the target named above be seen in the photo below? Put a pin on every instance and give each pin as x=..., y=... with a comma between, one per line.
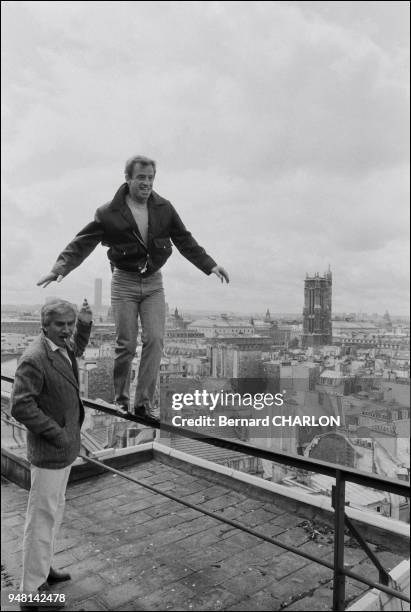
x=137, y=226
x=46, y=399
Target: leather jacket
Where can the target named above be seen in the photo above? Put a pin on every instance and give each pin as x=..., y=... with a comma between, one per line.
x=114, y=226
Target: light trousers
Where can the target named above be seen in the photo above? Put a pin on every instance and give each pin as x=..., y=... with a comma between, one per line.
x=133, y=297
x=45, y=511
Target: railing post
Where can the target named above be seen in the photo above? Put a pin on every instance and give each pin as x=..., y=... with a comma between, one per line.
x=338, y=502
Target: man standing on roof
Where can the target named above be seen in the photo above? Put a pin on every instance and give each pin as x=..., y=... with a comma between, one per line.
x=138, y=226
x=46, y=399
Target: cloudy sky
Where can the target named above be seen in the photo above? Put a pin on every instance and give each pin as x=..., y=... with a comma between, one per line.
x=280, y=130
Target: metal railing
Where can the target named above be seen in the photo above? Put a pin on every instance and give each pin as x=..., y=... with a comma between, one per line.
x=340, y=473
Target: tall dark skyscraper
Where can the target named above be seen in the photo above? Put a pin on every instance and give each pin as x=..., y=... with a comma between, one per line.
x=98, y=294
x=317, y=310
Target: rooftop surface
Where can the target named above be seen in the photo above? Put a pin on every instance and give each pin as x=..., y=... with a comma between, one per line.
x=128, y=548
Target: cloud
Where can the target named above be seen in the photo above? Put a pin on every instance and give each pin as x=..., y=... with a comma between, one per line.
x=279, y=131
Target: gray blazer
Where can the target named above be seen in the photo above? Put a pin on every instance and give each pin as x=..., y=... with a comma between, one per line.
x=46, y=399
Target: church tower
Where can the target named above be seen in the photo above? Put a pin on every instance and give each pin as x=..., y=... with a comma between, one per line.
x=317, y=325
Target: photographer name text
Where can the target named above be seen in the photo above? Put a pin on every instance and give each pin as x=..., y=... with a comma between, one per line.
x=277, y=420
x=257, y=401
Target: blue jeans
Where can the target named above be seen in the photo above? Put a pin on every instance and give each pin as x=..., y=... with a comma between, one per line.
x=133, y=296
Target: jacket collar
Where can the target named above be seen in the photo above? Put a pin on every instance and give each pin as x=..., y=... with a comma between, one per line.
x=119, y=200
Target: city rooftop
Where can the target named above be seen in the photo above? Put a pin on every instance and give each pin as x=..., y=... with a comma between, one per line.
x=129, y=548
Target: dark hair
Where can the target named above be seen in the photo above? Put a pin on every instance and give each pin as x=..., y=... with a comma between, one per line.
x=138, y=159
x=56, y=307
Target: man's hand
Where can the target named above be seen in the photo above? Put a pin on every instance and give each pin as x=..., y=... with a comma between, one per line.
x=221, y=273
x=85, y=315
x=49, y=278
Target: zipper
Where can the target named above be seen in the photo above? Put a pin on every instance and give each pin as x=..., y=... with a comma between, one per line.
x=140, y=241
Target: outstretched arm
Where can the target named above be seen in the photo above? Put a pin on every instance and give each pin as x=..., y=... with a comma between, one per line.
x=75, y=252
x=188, y=246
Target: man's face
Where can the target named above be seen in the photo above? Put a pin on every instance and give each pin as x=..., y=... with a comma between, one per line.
x=141, y=182
x=60, y=328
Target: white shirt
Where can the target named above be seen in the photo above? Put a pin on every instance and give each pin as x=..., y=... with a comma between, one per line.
x=62, y=350
x=140, y=214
